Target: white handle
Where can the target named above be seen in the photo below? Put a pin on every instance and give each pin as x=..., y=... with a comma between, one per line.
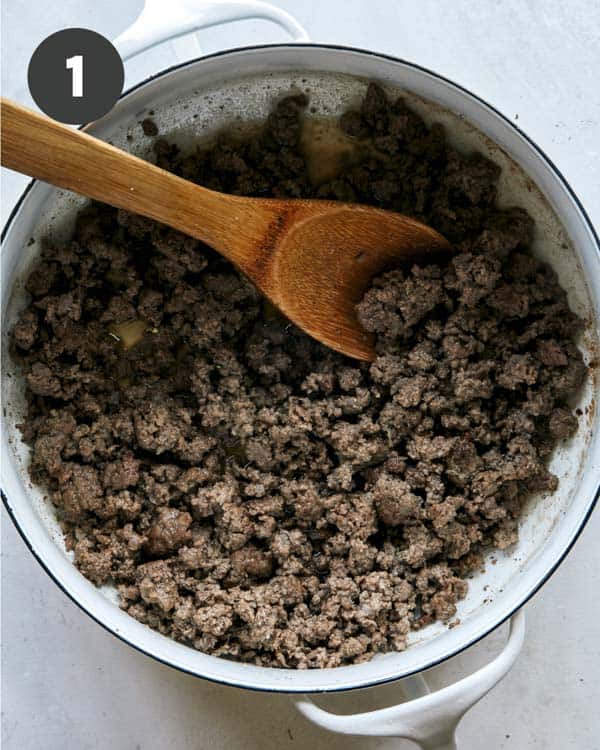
x=429, y=719
x=160, y=21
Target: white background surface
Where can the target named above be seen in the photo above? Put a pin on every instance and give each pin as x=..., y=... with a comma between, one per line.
x=68, y=685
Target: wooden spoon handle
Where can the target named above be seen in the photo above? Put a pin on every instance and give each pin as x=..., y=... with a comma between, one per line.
x=68, y=158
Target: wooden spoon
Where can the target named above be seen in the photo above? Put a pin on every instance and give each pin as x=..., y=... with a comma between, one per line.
x=313, y=259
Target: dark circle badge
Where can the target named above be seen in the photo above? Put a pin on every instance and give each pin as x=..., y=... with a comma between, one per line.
x=75, y=76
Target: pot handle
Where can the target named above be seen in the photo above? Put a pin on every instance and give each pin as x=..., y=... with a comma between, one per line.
x=429, y=719
x=160, y=21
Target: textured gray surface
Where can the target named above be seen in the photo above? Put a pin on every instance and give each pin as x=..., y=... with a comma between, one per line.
x=68, y=685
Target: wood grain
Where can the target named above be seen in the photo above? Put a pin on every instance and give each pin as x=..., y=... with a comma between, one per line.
x=313, y=259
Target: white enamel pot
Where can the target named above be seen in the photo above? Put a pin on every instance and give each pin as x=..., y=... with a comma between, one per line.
x=192, y=100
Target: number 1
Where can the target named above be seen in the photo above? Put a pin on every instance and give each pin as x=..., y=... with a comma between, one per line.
x=76, y=65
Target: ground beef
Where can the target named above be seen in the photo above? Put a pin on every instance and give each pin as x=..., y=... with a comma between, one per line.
x=149, y=127
x=253, y=494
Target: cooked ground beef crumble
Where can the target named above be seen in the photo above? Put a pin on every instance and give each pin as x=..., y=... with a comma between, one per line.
x=253, y=494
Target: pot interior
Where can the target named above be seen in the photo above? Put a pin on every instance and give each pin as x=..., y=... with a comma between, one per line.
x=192, y=103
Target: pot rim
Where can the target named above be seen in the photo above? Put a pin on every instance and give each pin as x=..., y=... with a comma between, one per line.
x=583, y=521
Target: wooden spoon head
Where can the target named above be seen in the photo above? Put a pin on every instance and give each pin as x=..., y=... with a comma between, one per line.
x=325, y=258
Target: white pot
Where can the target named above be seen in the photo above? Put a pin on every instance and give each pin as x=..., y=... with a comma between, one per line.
x=244, y=82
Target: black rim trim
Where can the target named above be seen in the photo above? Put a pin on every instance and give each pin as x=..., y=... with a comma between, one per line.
x=551, y=570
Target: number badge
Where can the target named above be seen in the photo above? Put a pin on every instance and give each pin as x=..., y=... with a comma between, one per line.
x=75, y=76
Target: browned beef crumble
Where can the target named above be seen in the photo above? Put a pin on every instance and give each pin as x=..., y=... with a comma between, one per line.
x=254, y=494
